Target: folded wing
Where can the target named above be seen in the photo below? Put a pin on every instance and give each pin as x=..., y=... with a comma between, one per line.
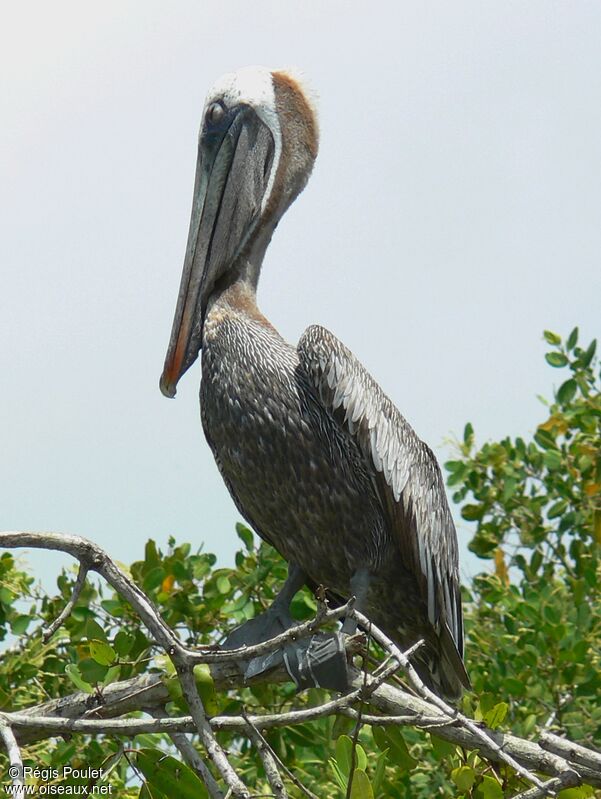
x=407, y=477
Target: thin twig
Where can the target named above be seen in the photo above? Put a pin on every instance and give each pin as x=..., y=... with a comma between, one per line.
x=563, y=701
x=193, y=759
x=48, y=632
x=358, y=723
x=423, y=722
x=269, y=763
x=292, y=777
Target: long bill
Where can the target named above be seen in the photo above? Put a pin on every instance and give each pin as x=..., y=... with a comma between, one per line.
x=232, y=173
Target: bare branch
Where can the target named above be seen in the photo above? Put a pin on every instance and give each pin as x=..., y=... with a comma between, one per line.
x=193, y=759
x=449, y=711
x=292, y=777
x=423, y=722
x=94, y=558
x=269, y=762
x=551, y=787
x=49, y=631
x=213, y=748
x=565, y=762
x=570, y=751
x=15, y=771
x=390, y=700
x=117, y=699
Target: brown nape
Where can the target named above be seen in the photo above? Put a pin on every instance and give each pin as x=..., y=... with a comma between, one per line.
x=295, y=113
x=300, y=138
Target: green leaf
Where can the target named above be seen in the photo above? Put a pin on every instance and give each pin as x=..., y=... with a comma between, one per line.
x=572, y=339
x=509, y=489
x=586, y=357
x=544, y=439
x=379, y=772
x=380, y=738
x=78, y=681
x=170, y=776
x=92, y=671
x=102, y=652
x=173, y=686
x=442, y=748
x=360, y=757
x=341, y=780
x=94, y=631
x=154, y=578
x=112, y=675
x=472, y=513
x=19, y=624
x=485, y=703
x=112, y=606
x=489, y=788
x=246, y=536
x=361, y=787
x=552, y=338
x=206, y=688
x=495, y=716
x=344, y=755
x=552, y=459
x=513, y=686
x=123, y=643
x=556, y=359
x=344, y=746
x=223, y=584
x=146, y=792
x=463, y=777
x=392, y=739
x=581, y=792
x=151, y=555
x=557, y=509
x=6, y=597
x=342, y=726
x=567, y=391
x=468, y=434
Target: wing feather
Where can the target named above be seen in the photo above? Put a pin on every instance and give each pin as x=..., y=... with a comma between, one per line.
x=407, y=475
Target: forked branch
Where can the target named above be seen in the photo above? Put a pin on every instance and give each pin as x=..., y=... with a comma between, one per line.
x=567, y=764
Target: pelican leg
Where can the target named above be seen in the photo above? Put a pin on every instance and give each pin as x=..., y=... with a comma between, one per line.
x=359, y=588
x=317, y=661
x=275, y=620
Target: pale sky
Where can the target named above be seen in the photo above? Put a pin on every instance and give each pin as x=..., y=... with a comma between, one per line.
x=453, y=214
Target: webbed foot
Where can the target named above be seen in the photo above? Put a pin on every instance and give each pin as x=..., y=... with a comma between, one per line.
x=318, y=661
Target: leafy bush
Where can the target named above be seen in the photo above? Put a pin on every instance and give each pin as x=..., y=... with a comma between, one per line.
x=533, y=628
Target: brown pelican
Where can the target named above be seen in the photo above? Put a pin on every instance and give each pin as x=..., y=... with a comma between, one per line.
x=314, y=454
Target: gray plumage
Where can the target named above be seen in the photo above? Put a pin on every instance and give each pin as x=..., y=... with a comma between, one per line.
x=325, y=468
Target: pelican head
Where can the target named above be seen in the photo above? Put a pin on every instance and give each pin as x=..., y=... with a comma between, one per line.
x=258, y=142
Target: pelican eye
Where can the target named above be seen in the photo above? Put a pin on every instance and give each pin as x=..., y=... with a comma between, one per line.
x=215, y=113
